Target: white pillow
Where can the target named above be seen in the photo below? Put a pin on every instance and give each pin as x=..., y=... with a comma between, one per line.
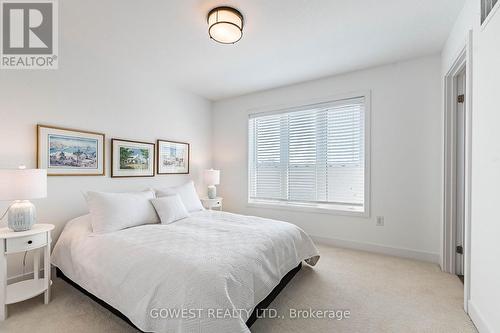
x=170, y=209
x=116, y=211
x=188, y=195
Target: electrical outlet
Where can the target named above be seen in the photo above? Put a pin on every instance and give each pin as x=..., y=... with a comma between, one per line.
x=380, y=221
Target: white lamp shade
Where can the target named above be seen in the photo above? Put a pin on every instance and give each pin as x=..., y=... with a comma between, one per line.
x=212, y=177
x=23, y=184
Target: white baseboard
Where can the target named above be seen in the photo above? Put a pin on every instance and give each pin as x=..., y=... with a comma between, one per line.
x=381, y=249
x=478, y=319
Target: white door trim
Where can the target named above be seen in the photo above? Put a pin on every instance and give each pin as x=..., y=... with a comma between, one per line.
x=464, y=59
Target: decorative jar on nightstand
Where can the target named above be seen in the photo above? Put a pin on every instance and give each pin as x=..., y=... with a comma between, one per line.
x=35, y=239
x=212, y=203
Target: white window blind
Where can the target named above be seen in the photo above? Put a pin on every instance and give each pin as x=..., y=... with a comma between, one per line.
x=313, y=156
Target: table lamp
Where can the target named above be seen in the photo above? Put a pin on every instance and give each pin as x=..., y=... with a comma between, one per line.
x=212, y=178
x=20, y=185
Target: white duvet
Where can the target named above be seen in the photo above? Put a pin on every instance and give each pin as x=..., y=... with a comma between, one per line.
x=186, y=276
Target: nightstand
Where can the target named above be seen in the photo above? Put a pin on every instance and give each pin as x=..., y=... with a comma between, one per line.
x=36, y=239
x=212, y=203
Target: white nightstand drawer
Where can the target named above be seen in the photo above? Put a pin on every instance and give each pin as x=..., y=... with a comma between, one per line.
x=26, y=243
x=212, y=203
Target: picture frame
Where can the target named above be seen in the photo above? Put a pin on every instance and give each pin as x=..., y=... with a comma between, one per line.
x=70, y=152
x=131, y=158
x=172, y=157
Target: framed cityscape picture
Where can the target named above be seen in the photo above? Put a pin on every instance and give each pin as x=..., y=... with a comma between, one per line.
x=173, y=157
x=69, y=152
x=132, y=158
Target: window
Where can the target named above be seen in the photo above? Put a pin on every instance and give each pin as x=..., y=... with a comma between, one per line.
x=313, y=156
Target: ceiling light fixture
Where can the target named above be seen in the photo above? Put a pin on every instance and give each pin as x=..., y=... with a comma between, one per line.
x=225, y=25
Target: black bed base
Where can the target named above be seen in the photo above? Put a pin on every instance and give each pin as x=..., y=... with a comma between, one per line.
x=259, y=309
x=272, y=295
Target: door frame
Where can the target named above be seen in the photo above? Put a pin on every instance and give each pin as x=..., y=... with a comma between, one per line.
x=463, y=60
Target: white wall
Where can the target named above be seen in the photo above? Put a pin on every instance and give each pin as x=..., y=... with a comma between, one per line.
x=485, y=275
x=406, y=157
x=485, y=226
x=97, y=93
x=466, y=21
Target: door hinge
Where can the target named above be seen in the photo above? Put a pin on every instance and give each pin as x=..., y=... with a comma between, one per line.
x=461, y=98
x=460, y=249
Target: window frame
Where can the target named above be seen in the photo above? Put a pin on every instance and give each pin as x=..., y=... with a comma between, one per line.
x=333, y=209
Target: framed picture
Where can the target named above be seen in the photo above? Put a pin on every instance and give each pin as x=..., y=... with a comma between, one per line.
x=173, y=157
x=132, y=158
x=70, y=152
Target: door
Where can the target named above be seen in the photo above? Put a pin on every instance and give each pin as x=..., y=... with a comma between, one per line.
x=460, y=174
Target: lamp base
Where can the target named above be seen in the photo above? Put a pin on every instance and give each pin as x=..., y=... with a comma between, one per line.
x=22, y=215
x=212, y=192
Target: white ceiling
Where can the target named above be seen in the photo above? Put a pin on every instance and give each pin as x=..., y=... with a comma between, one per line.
x=284, y=41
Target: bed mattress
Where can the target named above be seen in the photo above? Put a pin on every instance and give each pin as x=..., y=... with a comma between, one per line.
x=205, y=273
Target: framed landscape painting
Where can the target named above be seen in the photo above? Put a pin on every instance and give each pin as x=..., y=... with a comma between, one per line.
x=132, y=158
x=69, y=152
x=173, y=157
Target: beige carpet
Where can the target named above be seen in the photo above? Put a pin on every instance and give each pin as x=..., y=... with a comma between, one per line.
x=383, y=294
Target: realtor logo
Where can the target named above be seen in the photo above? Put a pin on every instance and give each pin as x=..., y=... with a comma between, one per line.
x=29, y=34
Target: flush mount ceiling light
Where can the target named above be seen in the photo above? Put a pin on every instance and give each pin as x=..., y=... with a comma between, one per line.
x=225, y=25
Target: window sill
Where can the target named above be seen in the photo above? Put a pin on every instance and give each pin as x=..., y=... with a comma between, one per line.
x=332, y=210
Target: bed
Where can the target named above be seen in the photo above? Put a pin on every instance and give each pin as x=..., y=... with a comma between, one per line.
x=204, y=273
